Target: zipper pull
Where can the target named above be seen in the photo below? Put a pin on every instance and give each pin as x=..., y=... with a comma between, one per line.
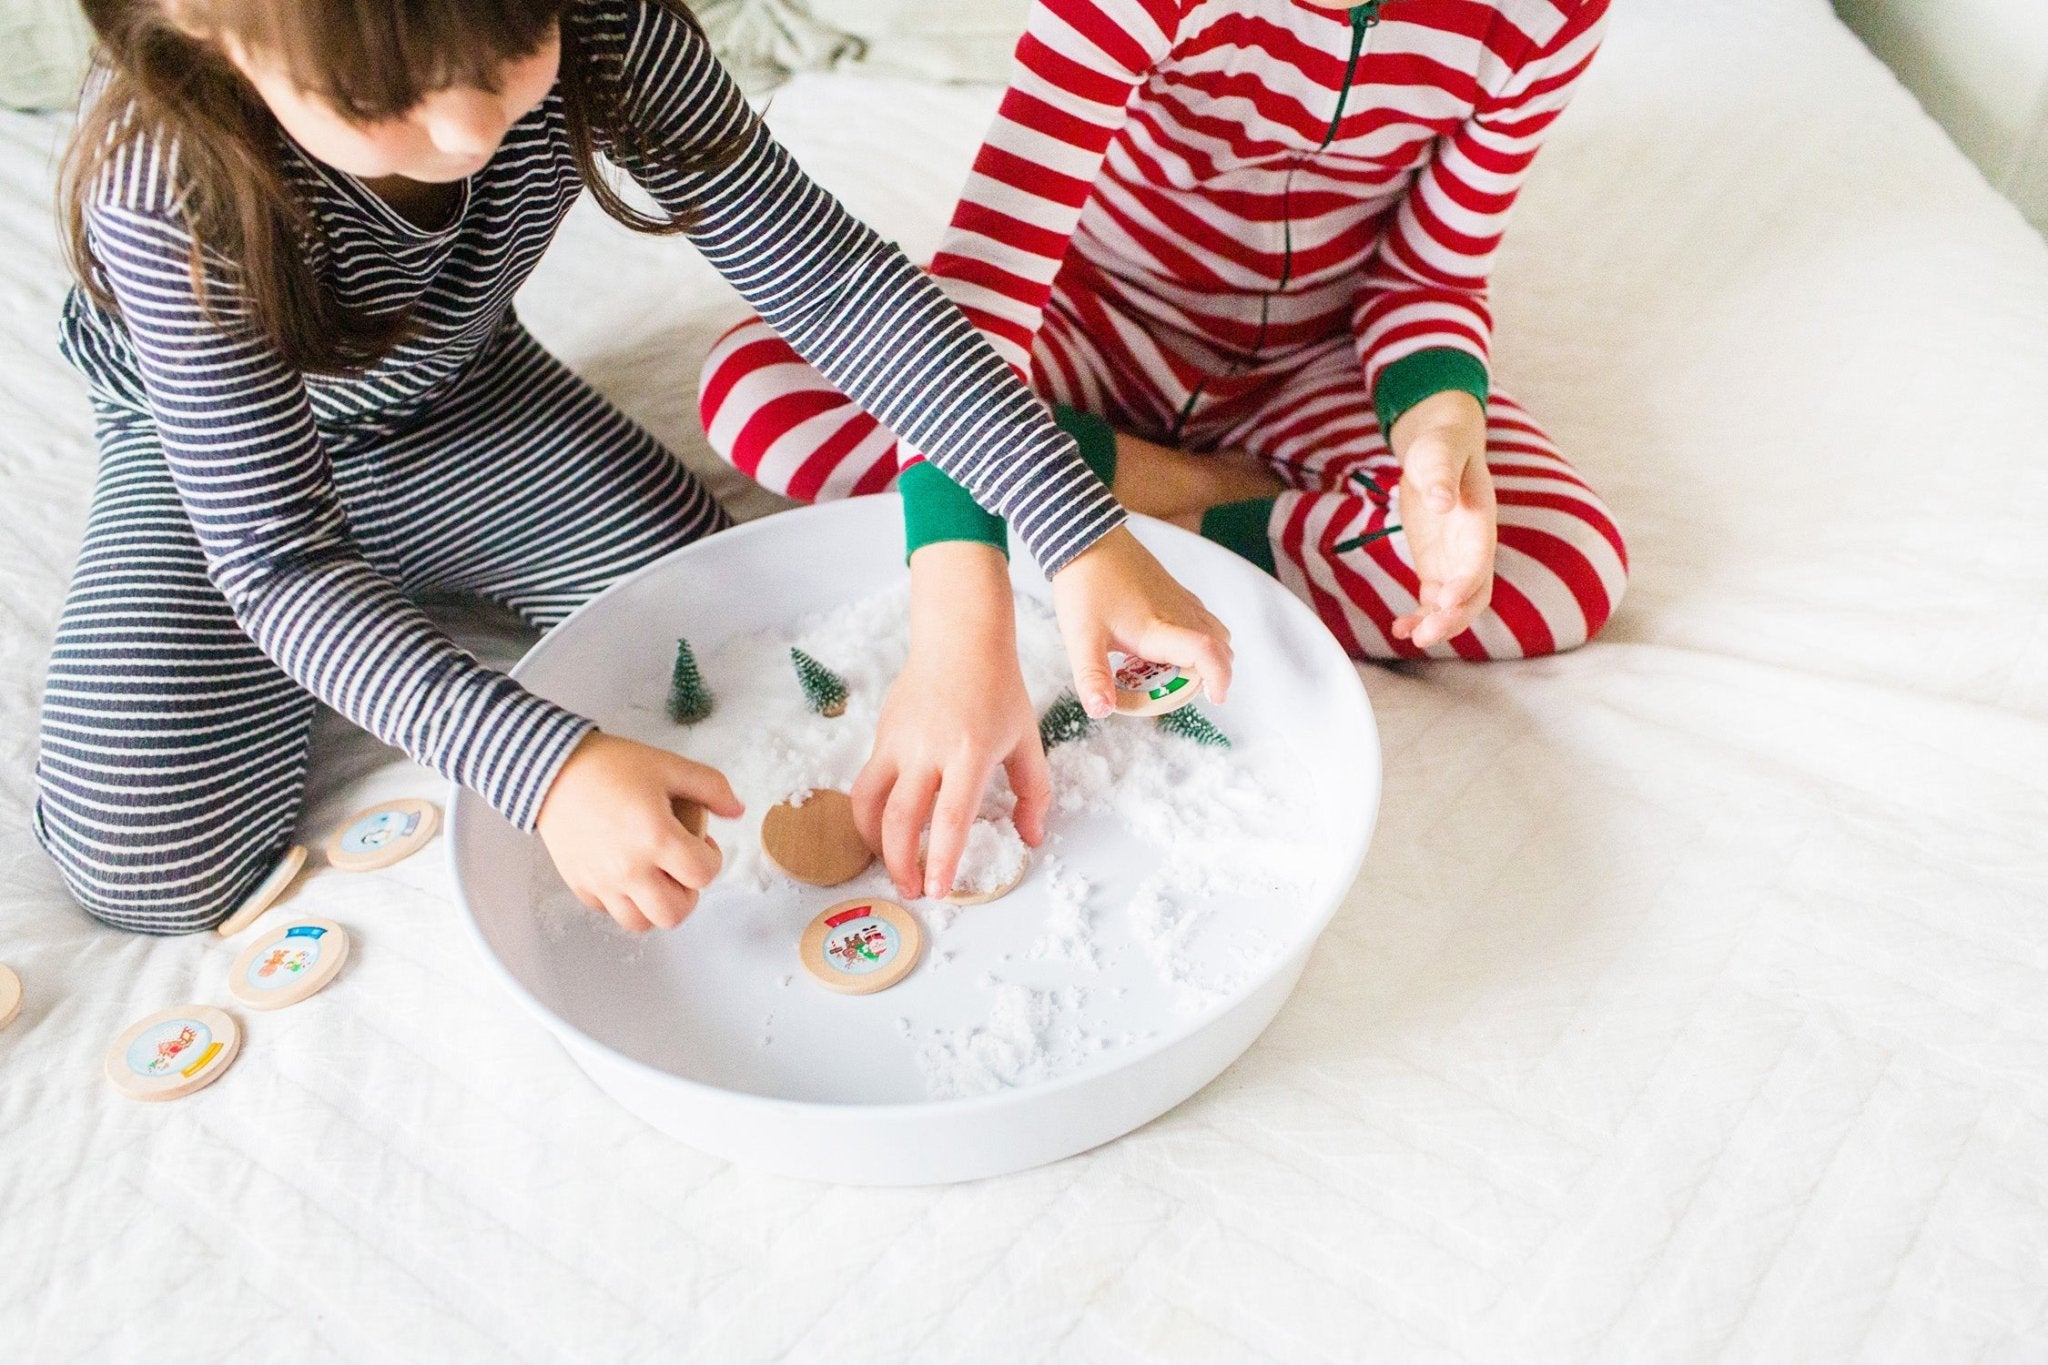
x=1363, y=17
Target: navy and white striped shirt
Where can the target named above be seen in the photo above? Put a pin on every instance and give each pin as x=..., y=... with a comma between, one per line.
x=252, y=444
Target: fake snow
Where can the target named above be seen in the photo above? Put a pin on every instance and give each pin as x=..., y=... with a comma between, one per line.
x=1209, y=828
x=1030, y=1036
x=993, y=857
x=1067, y=936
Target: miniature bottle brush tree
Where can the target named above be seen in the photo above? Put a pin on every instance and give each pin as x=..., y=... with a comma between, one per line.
x=1063, y=720
x=689, y=700
x=824, y=691
x=1189, y=723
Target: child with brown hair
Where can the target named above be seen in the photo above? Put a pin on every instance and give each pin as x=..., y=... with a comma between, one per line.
x=299, y=226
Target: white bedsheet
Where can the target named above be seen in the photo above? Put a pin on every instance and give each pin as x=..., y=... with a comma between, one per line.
x=1693, y=1003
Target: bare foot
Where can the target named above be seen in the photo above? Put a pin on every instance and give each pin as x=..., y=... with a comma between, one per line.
x=1178, y=487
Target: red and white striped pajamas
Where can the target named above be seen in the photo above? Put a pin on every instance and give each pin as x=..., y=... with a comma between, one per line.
x=1256, y=225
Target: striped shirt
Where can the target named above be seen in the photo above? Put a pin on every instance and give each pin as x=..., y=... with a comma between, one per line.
x=1258, y=174
x=254, y=446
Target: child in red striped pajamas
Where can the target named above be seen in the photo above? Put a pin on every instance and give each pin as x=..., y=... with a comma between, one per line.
x=1244, y=246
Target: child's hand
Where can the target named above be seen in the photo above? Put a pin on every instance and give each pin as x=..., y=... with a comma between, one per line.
x=1115, y=595
x=1447, y=513
x=957, y=710
x=610, y=824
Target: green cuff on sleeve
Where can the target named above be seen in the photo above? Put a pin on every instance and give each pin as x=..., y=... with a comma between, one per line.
x=935, y=508
x=1095, y=437
x=1412, y=378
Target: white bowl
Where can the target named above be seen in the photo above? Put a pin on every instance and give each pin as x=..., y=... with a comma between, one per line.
x=671, y=1025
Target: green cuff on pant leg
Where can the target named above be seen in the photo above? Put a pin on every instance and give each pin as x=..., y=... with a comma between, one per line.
x=1241, y=527
x=935, y=508
x=1096, y=438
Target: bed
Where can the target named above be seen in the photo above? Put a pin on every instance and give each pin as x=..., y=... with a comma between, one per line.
x=1692, y=1004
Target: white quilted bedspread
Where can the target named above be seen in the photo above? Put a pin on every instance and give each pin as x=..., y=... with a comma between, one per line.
x=1693, y=1003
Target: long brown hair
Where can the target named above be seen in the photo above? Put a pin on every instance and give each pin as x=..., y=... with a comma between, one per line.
x=164, y=82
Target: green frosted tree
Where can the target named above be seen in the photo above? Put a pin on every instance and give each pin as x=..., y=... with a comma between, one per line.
x=1189, y=723
x=689, y=700
x=824, y=690
x=1063, y=720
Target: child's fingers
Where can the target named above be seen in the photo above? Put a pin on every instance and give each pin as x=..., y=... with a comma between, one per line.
x=1425, y=630
x=692, y=861
x=910, y=807
x=1454, y=605
x=659, y=900
x=871, y=797
x=620, y=907
x=1088, y=655
x=1476, y=601
x=1031, y=780
x=705, y=785
x=1427, y=625
x=1429, y=632
x=1437, y=626
x=665, y=901
x=952, y=817
x=1435, y=597
x=1208, y=653
x=1450, y=577
x=1455, y=593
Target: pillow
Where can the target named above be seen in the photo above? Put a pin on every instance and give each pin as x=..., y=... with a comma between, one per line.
x=764, y=41
x=767, y=41
x=44, y=45
x=939, y=40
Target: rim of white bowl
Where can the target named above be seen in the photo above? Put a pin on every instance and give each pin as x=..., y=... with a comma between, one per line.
x=462, y=798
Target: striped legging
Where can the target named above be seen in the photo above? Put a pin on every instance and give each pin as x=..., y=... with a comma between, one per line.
x=1333, y=538
x=174, y=751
